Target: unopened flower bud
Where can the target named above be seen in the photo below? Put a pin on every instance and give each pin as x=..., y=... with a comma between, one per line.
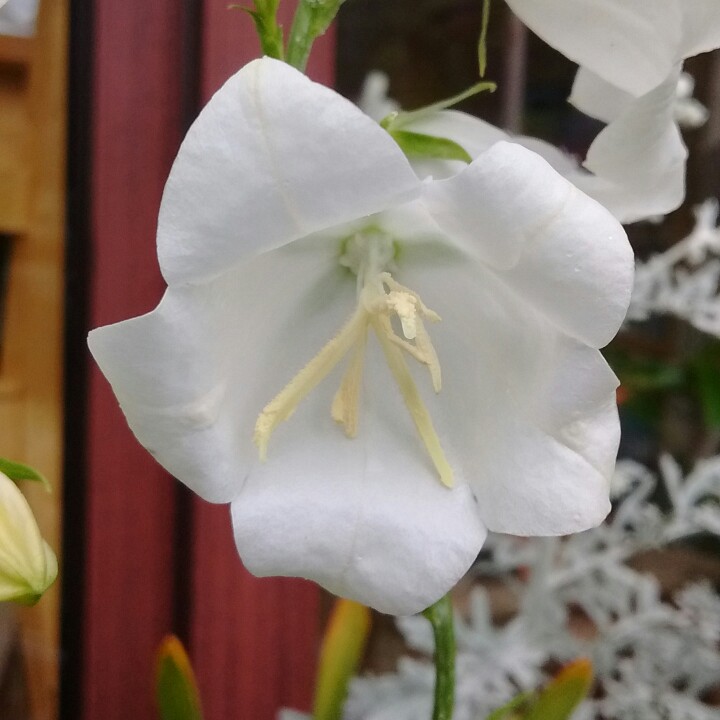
x=28, y=565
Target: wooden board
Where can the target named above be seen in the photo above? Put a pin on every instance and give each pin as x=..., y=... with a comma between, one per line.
x=33, y=166
x=33, y=91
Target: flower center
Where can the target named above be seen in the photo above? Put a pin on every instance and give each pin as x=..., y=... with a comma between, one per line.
x=379, y=298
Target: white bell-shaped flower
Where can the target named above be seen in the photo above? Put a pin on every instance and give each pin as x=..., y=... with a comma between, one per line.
x=374, y=370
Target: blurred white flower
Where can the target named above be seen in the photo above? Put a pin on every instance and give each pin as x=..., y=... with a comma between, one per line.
x=630, y=54
x=296, y=238
x=689, y=112
x=634, y=45
x=27, y=564
x=374, y=99
x=18, y=17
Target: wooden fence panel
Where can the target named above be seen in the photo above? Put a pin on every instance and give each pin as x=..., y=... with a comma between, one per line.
x=254, y=642
x=130, y=521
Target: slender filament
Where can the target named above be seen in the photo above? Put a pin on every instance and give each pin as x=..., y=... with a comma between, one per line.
x=413, y=401
x=283, y=405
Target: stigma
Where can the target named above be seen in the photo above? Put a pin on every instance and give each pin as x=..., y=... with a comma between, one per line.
x=382, y=305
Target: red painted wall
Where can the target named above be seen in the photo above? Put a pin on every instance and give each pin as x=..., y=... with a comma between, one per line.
x=253, y=641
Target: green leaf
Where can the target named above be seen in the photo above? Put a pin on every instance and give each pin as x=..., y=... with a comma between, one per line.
x=644, y=374
x=418, y=145
x=563, y=694
x=177, y=693
x=17, y=471
x=705, y=370
x=342, y=650
x=514, y=709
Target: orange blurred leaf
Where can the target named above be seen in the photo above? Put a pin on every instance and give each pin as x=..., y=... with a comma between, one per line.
x=177, y=693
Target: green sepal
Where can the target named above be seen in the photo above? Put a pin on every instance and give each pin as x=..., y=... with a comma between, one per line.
x=17, y=471
x=176, y=687
x=418, y=145
x=397, y=120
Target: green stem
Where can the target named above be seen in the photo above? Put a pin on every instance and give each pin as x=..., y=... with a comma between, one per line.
x=312, y=19
x=482, y=42
x=264, y=15
x=271, y=41
x=440, y=616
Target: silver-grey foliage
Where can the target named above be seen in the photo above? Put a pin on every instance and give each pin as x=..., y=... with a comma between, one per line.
x=653, y=658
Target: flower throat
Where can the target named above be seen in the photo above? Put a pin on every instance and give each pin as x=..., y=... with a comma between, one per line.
x=379, y=298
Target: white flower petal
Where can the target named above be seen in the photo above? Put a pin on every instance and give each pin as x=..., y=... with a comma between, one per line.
x=271, y=158
x=598, y=98
x=576, y=403
x=639, y=159
x=493, y=206
x=632, y=44
x=514, y=427
x=192, y=375
x=367, y=518
x=701, y=27
x=559, y=160
x=532, y=484
x=554, y=245
x=595, y=435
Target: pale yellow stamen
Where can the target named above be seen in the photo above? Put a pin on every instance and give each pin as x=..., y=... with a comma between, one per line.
x=379, y=298
x=387, y=279
x=405, y=307
x=423, y=351
x=426, y=349
x=346, y=403
x=413, y=401
x=283, y=405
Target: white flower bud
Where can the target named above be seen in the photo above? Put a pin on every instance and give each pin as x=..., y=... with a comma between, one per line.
x=27, y=563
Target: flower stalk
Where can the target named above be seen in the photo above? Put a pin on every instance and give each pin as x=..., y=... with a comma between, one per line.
x=312, y=19
x=264, y=15
x=440, y=616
